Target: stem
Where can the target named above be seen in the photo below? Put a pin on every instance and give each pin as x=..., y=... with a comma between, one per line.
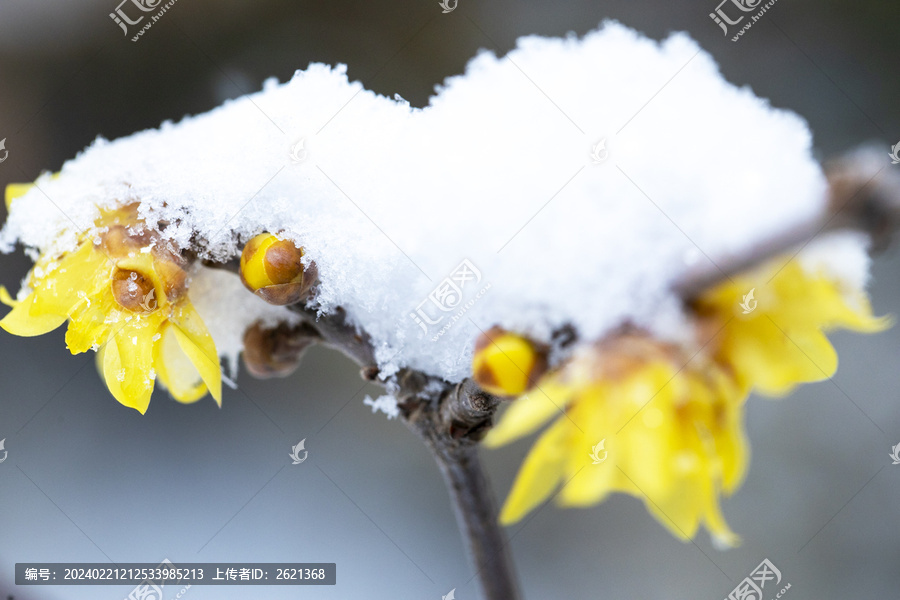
x=451, y=422
x=476, y=517
x=451, y=425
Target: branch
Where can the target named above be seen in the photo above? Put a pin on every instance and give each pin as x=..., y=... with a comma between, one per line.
x=863, y=195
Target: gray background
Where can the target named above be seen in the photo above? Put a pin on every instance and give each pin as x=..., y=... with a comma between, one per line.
x=89, y=480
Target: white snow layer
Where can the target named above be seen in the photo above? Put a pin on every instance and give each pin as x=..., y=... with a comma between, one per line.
x=497, y=170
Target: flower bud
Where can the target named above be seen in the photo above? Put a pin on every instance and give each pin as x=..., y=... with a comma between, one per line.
x=276, y=351
x=273, y=270
x=506, y=364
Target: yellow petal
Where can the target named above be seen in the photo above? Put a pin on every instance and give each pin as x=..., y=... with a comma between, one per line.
x=195, y=341
x=79, y=275
x=527, y=413
x=114, y=374
x=15, y=190
x=20, y=320
x=92, y=321
x=127, y=366
x=540, y=475
x=176, y=371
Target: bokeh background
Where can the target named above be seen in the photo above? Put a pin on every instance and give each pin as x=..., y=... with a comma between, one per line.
x=89, y=480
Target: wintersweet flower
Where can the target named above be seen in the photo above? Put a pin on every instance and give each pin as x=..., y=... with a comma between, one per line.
x=637, y=416
x=772, y=323
x=124, y=294
x=672, y=425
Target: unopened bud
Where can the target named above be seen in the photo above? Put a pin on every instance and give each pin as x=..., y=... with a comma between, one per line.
x=506, y=364
x=273, y=270
x=276, y=351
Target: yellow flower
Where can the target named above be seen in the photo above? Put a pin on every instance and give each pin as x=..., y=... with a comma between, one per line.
x=124, y=296
x=776, y=339
x=640, y=417
x=634, y=416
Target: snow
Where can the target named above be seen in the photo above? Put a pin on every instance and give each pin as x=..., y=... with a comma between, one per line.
x=386, y=404
x=228, y=309
x=497, y=170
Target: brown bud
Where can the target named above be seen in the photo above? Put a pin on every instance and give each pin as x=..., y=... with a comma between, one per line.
x=276, y=351
x=273, y=269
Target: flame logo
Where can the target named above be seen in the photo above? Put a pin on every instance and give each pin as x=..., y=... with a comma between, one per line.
x=298, y=154
x=445, y=4
x=748, y=303
x=596, y=450
x=895, y=153
x=451, y=595
x=149, y=303
x=295, y=452
x=5, y=453
x=895, y=456
x=6, y=152
x=599, y=153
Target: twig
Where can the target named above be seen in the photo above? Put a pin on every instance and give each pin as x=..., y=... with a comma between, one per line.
x=451, y=419
x=863, y=195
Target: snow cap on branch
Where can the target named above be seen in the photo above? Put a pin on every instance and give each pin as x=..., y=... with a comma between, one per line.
x=570, y=182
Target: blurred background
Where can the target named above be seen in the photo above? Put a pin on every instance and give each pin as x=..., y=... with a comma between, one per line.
x=91, y=481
